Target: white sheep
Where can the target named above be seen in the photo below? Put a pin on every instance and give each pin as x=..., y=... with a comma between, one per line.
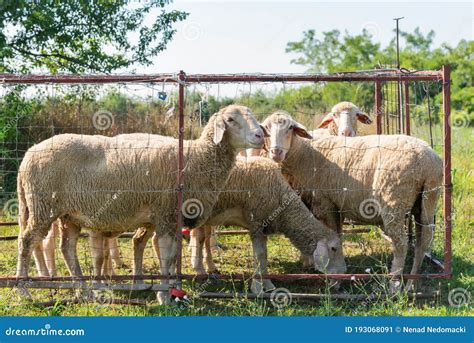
x=114, y=186
x=257, y=197
x=374, y=180
x=241, y=203
x=342, y=121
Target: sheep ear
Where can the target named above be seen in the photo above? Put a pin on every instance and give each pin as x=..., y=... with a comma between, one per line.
x=219, y=129
x=265, y=131
x=301, y=131
x=328, y=118
x=364, y=118
x=321, y=256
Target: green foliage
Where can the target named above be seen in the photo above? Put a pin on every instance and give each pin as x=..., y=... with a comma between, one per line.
x=336, y=52
x=82, y=36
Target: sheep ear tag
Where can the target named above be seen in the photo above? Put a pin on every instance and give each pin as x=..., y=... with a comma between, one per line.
x=219, y=129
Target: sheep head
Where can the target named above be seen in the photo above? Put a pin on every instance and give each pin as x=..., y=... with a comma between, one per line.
x=342, y=120
x=237, y=125
x=328, y=256
x=282, y=127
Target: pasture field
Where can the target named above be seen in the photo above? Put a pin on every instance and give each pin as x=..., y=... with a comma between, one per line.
x=363, y=251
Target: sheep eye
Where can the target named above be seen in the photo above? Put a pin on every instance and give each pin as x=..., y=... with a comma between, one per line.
x=230, y=120
x=334, y=249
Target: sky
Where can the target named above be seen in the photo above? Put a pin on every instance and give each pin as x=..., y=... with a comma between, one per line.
x=251, y=36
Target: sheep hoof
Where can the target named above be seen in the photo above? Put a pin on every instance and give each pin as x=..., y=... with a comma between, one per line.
x=163, y=298
x=258, y=287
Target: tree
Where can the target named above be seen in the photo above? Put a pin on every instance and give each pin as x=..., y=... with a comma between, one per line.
x=335, y=52
x=82, y=36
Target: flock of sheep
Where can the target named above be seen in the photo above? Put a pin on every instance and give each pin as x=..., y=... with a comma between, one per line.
x=290, y=181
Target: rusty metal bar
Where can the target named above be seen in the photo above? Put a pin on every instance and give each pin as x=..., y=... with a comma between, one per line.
x=407, y=109
x=92, y=79
x=378, y=106
x=179, y=225
x=13, y=281
x=376, y=75
x=447, y=167
x=315, y=297
x=111, y=301
x=81, y=285
x=400, y=120
x=392, y=75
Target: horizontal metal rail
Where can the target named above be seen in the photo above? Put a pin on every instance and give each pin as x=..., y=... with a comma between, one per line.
x=83, y=285
x=9, y=281
x=316, y=297
x=85, y=79
x=375, y=75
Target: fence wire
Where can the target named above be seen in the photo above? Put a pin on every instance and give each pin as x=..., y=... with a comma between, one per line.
x=33, y=113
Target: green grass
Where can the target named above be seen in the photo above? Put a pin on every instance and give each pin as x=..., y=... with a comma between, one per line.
x=363, y=251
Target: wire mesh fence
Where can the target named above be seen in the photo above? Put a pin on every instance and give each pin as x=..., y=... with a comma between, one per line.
x=36, y=108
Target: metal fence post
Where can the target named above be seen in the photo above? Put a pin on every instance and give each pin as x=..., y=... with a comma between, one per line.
x=378, y=106
x=446, y=72
x=179, y=235
x=407, y=109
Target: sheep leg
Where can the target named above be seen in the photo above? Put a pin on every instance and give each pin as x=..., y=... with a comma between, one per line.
x=28, y=240
x=156, y=247
x=44, y=253
x=107, y=266
x=40, y=262
x=394, y=228
x=140, y=238
x=215, y=245
x=424, y=236
x=96, y=244
x=115, y=253
x=210, y=243
x=49, y=248
x=69, y=237
x=167, y=249
x=259, y=285
x=196, y=243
